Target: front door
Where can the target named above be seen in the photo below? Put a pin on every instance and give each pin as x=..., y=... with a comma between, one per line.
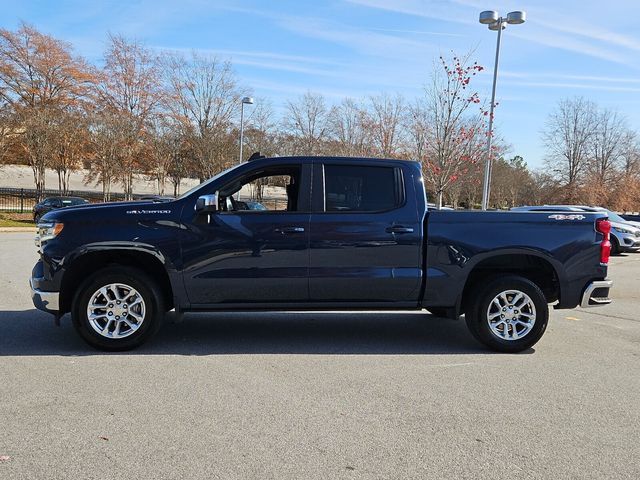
x=255, y=249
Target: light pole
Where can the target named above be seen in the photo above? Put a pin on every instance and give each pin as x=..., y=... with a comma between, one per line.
x=248, y=101
x=495, y=23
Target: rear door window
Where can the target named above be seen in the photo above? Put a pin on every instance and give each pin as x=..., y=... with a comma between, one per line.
x=352, y=188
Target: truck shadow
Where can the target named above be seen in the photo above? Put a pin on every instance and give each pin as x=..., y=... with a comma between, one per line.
x=32, y=332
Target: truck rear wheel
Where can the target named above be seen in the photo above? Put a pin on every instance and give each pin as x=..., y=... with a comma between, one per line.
x=117, y=308
x=508, y=314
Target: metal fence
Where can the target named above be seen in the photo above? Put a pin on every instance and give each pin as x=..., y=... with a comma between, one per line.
x=22, y=200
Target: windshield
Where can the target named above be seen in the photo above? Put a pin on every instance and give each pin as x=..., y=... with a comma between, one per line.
x=615, y=217
x=191, y=190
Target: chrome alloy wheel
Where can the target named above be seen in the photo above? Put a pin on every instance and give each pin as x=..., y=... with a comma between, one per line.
x=116, y=310
x=511, y=315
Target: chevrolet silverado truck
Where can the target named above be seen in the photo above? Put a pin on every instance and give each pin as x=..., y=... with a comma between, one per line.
x=316, y=233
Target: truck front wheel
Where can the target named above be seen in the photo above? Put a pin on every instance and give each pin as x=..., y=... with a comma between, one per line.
x=508, y=314
x=615, y=246
x=117, y=308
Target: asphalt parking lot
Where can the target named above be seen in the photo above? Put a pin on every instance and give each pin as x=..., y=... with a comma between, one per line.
x=318, y=395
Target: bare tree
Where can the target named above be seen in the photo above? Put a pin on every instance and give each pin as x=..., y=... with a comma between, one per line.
x=606, y=145
x=511, y=182
x=38, y=141
x=108, y=137
x=260, y=132
x=183, y=159
x=7, y=131
x=346, y=125
x=605, y=156
x=384, y=121
x=204, y=93
x=627, y=188
x=630, y=153
x=306, y=119
x=160, y=136
x=568, y=137
x=70, y=146
x=130, y=88
x=171, y=155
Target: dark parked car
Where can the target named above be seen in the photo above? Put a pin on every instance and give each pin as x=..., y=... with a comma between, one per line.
x=631, y=218
x=354, y=234
x=52, y=203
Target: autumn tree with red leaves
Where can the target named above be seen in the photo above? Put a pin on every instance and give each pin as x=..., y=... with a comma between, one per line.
x=447, y=126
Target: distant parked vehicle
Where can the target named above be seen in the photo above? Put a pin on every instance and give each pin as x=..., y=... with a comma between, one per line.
x=52, y=203
x=156, y=198
x=433, y=206
x=626, y=232
x=625, y=235
x=634, y=219
x=255, y=206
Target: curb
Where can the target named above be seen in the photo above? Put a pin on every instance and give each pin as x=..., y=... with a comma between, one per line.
x=17, y=229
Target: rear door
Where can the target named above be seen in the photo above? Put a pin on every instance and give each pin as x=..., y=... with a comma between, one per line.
x=365, y=238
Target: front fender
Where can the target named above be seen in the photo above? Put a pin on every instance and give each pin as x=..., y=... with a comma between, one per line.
x=112, y=246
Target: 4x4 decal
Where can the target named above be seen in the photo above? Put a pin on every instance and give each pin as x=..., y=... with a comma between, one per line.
x=562, y=216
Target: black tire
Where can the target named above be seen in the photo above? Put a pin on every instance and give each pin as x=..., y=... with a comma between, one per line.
x=438, y=312
x=477, y=314
x=147, y=289
x=615, y=246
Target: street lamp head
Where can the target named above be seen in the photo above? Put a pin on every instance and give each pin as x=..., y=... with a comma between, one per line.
x=248, y=100
x=488, y=17
x=496, y=26
x=517, y=17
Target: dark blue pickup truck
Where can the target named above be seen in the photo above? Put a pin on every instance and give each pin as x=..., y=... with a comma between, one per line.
x=333, y=233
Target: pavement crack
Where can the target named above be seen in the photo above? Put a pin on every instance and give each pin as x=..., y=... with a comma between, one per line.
x=609, y=316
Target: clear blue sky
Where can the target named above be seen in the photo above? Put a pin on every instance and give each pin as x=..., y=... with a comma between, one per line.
x=359, y=47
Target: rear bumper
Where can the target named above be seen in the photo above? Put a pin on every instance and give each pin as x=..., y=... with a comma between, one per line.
x=45, y=301
x=596, y=294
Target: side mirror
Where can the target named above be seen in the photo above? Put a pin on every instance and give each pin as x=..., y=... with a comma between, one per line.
x=207, y=203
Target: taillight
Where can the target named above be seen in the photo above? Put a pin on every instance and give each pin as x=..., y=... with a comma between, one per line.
x=604, y=227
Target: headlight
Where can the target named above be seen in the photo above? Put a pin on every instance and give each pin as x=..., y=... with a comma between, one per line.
x=47, y=231
x=622, y=230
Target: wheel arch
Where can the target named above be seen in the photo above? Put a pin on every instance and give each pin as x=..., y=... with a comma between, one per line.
x=79, y=266
x=532, y=265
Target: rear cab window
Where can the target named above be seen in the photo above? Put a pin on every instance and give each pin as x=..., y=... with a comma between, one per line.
x=366, y=188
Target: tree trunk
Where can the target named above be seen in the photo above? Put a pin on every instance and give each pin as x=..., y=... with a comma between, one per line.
x=39, y=179
x=66, y=179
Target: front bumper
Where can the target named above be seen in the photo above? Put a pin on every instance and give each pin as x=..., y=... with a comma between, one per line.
x=629, y=242
x=45, y=301
x=596, y=294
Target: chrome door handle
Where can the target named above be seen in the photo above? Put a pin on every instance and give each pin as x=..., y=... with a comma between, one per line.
x=285, y=230
x=399, y=229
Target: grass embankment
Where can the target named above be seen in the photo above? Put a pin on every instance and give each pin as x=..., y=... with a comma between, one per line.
x=16, y=220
